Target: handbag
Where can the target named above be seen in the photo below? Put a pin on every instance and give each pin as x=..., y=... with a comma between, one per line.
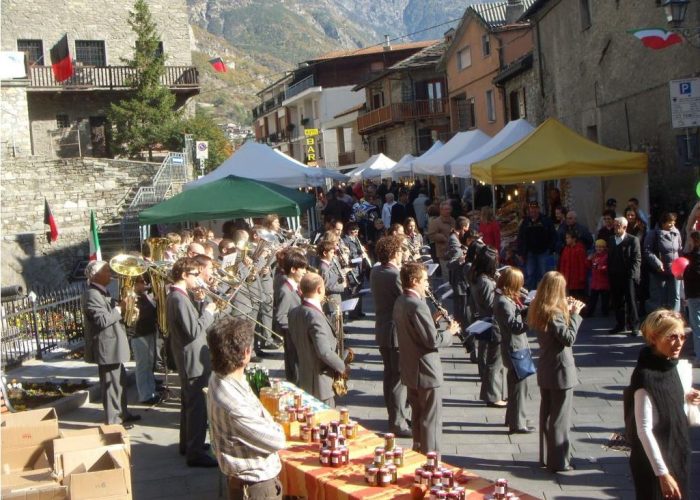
x=522, y=363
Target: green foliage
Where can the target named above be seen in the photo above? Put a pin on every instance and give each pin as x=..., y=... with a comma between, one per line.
x=143, y=120
x=203, y=128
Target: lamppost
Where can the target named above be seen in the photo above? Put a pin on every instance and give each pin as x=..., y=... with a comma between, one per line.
x=675, y=15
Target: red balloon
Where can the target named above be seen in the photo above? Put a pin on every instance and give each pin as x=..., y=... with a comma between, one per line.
x=678, y=266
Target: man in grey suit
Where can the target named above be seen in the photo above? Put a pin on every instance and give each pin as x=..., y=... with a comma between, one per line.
x=386, y=288
x=456, y=260
x=187, y=331
x=287, y=297
x=421, y=369
x=106, y=343
x=330, y=271
x=316, y=344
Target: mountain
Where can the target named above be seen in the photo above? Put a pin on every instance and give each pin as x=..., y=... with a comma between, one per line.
x=264, y=38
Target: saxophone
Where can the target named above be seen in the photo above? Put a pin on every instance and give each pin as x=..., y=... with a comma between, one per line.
x=340, y=381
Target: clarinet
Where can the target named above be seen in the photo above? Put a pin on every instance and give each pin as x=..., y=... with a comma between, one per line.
x=444, y=313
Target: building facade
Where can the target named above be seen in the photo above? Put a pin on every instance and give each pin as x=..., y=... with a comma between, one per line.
x=41, y=116
x=604, y=83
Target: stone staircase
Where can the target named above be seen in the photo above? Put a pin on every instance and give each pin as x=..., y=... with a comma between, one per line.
x=123, y=234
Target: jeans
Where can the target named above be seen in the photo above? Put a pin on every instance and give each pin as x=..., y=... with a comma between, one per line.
x=535, y=267
x=144, y=354
x=694, y=320
x=664, y=291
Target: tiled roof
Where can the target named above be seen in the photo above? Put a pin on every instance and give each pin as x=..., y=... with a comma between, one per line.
x=374, y=49
x=494, y=13
x=425, y=57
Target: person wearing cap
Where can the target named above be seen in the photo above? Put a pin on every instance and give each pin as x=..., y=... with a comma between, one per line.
x=536, y=239
x=106, y=343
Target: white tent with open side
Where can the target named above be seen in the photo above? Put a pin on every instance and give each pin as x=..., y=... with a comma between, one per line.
x=260, y=162
x=325, y=172
x=513, y=132
x=372, y=168
x=461, y=144
x=404, y=167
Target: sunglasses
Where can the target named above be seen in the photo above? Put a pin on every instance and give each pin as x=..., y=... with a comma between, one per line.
x=676, y=337
x=193, y=273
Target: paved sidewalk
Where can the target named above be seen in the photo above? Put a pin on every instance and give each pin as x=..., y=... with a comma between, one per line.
x=473, y=435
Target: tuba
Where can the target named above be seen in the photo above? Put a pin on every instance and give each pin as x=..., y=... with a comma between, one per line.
x=158, y=247
x=128, y=267
x=340, y=381
x=160, y=279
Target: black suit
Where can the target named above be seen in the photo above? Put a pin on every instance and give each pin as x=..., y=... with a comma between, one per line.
x=624, y=263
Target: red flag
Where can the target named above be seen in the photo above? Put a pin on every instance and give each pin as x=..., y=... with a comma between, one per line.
x=49, y=219
x=61, y=62
x=218, y=64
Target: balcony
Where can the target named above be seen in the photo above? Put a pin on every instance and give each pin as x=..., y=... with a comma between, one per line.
x=401, y=112
x=346, y=158
x=299, y=87
x=110, y=78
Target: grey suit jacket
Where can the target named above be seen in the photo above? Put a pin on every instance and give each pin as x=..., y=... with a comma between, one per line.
x=286, y=299
x=512, y=327
x=556, y=368
x=331, y=277
x=316, y=346
x=105, y=335
x=453, y=255
x=187, y=331
x=483, y=294
x=419, y=341
x=386, y=288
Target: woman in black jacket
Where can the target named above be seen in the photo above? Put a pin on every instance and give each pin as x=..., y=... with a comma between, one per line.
x=691, y=281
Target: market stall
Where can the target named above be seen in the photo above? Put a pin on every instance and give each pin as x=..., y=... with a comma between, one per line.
x=372, y=168
x=404, y=168
x=461, y=144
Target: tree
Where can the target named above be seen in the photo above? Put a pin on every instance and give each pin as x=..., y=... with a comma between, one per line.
x=202, y=128
x=144, y=119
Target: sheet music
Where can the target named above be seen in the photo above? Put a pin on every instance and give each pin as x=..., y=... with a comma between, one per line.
x=478, y=327
x=349, y=305
x=357, y=260
x=364, y=291
x=432, y=268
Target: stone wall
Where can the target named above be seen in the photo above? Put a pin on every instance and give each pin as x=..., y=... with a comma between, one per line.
x=72, y=188
x=14, y=120
x=106, y=20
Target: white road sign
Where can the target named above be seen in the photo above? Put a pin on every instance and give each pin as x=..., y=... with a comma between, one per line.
x=685, y=102
x=202, y=150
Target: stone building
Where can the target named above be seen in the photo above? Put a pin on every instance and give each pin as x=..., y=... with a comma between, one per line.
x=488, y=38
x=41, y=116
x=406, y=106
x=601, y=81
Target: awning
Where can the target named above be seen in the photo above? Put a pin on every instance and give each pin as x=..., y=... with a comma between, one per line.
x=461, y=144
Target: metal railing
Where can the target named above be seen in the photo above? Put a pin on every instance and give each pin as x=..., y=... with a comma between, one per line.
x=299, y=87
x=401, y=112
x=346, y=158
x=31, y=328
x=173, y=171
x=111, y=77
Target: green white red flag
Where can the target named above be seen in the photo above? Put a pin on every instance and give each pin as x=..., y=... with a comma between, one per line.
x=656, y=38
x=95, y=253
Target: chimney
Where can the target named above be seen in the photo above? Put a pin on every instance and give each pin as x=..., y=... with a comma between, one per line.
x=514, y=10
x=387, y=43
x=449, y=35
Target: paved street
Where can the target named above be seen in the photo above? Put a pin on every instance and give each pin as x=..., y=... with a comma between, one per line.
x=474, y=436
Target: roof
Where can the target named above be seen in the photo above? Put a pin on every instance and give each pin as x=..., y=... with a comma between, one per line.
x=357, y=107
x=532, y=9
x=494, y=14
x=374, y=49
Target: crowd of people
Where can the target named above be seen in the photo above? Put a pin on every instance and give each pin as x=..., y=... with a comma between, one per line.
x=259, y=288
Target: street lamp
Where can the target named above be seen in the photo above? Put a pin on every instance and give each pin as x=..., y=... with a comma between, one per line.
x=675, y=11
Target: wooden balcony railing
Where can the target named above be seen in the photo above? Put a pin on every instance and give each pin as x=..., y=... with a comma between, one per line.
x=346, y=158
x=111, y=77
x=401, y=112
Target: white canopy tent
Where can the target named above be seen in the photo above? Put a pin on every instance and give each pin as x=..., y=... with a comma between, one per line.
x=461, y=144
x=325, y=172
x=262, y=163
x=513, y=132
x=373, y=167
x=405, y=165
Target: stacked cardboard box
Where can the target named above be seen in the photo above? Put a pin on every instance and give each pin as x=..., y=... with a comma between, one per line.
x=39, y=462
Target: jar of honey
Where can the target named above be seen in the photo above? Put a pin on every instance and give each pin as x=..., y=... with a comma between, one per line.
x=344, y=415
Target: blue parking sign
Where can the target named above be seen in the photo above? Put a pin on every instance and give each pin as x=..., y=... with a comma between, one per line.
x=685, y=88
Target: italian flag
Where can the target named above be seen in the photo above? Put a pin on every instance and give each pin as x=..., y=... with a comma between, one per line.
x=656, y=38
x=95, y=253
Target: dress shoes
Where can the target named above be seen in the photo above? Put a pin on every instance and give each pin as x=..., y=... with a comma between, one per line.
x=497, y=404
x=131, y=418
x=203, y=461
x=526, y=430
x=402, y=433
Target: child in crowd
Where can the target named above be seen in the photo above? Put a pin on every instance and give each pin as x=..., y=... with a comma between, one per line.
x=600, y=286
x=572, y=264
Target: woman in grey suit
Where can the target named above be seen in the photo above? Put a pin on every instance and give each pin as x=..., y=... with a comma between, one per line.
x=508, y=314
x=555, y=318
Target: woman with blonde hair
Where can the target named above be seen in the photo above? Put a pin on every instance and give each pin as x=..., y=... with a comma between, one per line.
x=658, y=408
x=508, y=315
x=555, y=318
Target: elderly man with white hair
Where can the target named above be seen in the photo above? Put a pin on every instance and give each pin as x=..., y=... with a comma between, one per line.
x=624, y=264
x=106, y=343
x=386, y=209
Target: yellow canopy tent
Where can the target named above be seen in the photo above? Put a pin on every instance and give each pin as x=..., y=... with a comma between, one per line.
x=553, y=151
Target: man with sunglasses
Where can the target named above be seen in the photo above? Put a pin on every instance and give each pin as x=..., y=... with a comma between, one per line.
x=187, y=329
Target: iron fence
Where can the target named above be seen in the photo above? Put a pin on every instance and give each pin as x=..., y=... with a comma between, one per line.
x=40, y=323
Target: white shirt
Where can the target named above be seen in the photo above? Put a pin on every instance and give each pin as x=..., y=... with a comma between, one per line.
x=386, y=214
x=314, y=302
x=618, y=239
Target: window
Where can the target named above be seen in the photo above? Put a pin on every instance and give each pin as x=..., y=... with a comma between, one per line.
x=90, y=52
x=464, y=58
x=485, y=45
x=34, y=50
x=592, y=132
x=159, y=50
x=434, y=91
x=688, y=150
x=425, y=139
x=490, y=106
x=464, y=113
x=516, y=104
x=62, y=121
x=585, y=14
x=377, y=99
x=381, y=144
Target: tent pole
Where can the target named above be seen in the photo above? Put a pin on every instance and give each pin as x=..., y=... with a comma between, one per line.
x=493, y=197
x=471, y=180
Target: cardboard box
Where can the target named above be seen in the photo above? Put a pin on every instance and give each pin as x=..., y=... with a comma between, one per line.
x=99, y=430
x=65, y=450
x=25, y=458
x=29, y=428
x=33, y=485
x=96, y=474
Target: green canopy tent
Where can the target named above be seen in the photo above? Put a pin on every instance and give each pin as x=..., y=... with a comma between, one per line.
x=229, y=198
